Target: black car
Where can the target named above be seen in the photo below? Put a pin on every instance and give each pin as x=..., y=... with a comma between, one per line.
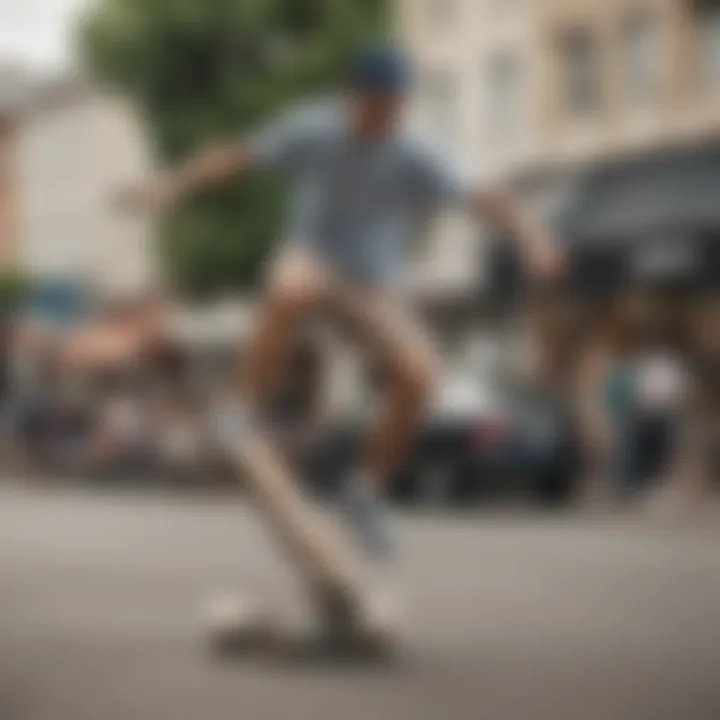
x=482, y=457
x=480, y=450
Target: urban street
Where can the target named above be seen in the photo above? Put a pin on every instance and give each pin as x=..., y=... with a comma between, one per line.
x=513, y=615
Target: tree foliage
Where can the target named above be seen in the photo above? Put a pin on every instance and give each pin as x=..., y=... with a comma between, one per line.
x=198, y=70
x=14, y=290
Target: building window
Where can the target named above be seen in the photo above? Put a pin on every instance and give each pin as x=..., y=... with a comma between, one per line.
x=440, y=14
x=439, y=103
x=581, y=72
x=708, y=22
x=504, y=95
x=642, y=53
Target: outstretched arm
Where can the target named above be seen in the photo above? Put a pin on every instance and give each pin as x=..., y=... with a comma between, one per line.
x=275, y=144
x=212, y=166
x=442, y=181
x=504, y=213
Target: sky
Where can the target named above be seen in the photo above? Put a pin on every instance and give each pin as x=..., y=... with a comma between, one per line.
x=37, y=33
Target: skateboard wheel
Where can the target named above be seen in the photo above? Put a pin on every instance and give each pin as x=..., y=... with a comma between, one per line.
x=235, y=624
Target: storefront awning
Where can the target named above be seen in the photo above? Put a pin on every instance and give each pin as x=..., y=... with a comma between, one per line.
x=656, y=219
x=652, y=220
x=673, y=194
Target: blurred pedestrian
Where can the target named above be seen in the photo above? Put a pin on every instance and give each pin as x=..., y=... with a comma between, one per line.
x=620, y=406
x=661, y=397
x=178, y=442
x=122, y=434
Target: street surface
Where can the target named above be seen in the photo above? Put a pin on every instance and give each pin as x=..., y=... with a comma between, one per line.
x=544, y=618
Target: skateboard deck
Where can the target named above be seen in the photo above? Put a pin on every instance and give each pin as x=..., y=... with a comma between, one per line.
x=327, y=563
x=317, y=547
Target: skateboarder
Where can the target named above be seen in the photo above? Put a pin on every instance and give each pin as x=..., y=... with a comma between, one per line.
x=361, y=186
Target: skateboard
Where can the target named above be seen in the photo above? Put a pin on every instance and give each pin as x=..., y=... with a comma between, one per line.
x=325, y=560
x=237, y=627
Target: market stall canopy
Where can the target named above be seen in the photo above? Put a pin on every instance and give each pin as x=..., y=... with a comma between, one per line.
x=216, y=325
x=102, y=347
x=116, y=341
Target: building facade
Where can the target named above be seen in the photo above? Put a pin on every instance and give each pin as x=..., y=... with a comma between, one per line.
x=542, y=92
x=8, y=193
x=14, y=87
x=523, y=86
x=607, y=113
x=75, y=147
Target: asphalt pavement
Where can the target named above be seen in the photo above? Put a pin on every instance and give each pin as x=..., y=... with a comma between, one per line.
x=512, y=616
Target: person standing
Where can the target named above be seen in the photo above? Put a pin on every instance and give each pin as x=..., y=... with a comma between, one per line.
x=620, y=398
x=661, y=394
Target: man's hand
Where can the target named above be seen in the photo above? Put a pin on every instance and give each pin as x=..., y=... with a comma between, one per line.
x=212, y=166
x=540, y=251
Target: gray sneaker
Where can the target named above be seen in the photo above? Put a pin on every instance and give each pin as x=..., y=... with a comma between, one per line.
x=367, y=516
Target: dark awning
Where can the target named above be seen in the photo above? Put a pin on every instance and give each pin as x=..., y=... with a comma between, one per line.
x=665, y=196
x=682, y=260
x=648, y=221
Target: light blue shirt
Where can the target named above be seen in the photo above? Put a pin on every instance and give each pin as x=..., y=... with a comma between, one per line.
x=358, y=204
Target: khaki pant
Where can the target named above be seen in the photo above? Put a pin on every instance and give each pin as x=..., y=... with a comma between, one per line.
x=377, y=319
x=300, y=286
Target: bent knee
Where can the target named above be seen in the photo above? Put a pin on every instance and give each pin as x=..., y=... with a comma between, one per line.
x=417, y=373
x=294, y=292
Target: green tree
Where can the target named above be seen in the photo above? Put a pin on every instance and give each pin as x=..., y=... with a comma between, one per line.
x=14, y=290
x=202, y=69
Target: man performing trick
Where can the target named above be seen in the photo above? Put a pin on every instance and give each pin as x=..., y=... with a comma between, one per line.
x=361, y=186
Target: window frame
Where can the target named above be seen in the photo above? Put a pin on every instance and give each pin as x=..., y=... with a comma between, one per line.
x=570, y=83
x=498, y=125
x=637, y=22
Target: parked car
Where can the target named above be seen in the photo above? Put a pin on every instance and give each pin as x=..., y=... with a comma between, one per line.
x=461, y=454
x=483, y=444
x=479, y=444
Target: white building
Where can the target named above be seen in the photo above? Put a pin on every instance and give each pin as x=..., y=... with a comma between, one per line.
x=76, y=147
x=536, y=91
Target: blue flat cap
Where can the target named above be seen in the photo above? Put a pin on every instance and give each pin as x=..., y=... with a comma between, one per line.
x=380, y=68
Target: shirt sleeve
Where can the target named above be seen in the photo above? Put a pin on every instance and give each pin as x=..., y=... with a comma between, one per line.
x=280, y=142
x=440, y=179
